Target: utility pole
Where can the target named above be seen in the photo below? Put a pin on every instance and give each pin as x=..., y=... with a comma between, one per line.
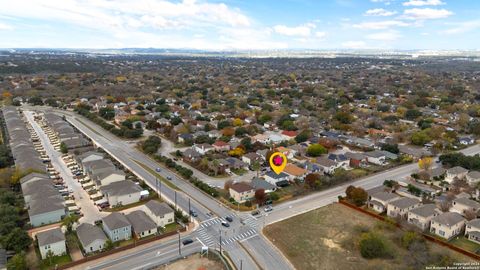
x=189, y=210
x=179, y=249
x=220, y=244
x=241, y=264
x=160, y=189
x=175, y=200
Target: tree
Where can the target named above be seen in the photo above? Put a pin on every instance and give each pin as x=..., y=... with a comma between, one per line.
x=303, y=136
x=412, y=114
x=63, y=148
x=16, y=240
x=420, y=138
x=227, y=185
x=425, y=163
x=237, y=152
x=316, y=150
x=69, y=220
x=373, y=246
x=313, y=180
x=17, y=262
x=344, y=117
x=49, y=256
x=356, y=195
x=107, y=113
x=256, y=166
x=237, y=122
x=260, y=196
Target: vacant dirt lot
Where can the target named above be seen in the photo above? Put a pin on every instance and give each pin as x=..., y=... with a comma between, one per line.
x=194, y=262
x=326, y=238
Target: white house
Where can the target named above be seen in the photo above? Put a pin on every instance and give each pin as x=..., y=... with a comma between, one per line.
x=121, y=193
x=472, y=230
x=203, y=148
x=447, y=225
x=91, y=237
x=117, y=227
x=401, y=207
x=463, y=205
x=159, y=212
x=456, y=172
x=380, y=200
x=375, y=157
x=422, y=215
x=473, y=177
x=51, y=240
x=142, y=225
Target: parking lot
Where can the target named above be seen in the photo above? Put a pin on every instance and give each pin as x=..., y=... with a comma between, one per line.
x=79, y=200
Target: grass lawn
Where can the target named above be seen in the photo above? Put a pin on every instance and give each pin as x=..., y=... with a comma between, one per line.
x=150, y=170
x=327, y=238
x=239, y=171
x=55, y=261
x=173, y=227
x=464, y=243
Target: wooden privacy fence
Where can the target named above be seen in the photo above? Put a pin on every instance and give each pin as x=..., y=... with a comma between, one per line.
x=426, y=236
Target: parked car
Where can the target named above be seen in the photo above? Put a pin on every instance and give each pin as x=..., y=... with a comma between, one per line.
x=225, y=224
x=268, y=208
x=187, y=241
x=255, y=212
x=229, y=219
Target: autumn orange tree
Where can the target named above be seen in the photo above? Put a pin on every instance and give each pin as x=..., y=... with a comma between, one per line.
x=425, y=163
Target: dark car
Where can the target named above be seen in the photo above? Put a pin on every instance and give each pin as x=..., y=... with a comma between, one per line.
x=169, y=178
x=193, y=213
x=229, y=219
x=225, y=224
x=187, y=241
x=256, y=212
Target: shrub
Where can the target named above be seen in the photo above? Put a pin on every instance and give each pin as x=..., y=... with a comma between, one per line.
x=373, y=246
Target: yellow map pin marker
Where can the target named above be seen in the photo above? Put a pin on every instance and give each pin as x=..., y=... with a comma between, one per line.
x=278, y=161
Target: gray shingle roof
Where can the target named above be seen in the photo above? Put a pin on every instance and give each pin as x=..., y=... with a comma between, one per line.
x=88, y=233
x=121, y=188
x=467, y=202
x=46, y=205
x=116, y=221
x=448, y=218
x=158, y=208
x=404, y=202
x=259, y=183
x=426, y=210
x=457, y=170
x=141, y=222
x=474, y=223
x=384, y=196
x=49, y=237
x=474, y=174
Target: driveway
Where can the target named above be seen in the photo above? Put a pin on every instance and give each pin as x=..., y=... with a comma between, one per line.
x=82, y=199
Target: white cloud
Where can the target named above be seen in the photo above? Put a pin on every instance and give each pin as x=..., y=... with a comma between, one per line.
x=384, y=36
x=4, y=26
x=462, y=27
x=320, y=34
x=426, y=13
x=354, y=44
x=302, y=30
x=379, y=12
x=423, y=3
x=379, y=24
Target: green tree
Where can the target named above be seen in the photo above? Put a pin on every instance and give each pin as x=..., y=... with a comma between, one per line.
x=16, y=240
x=316, y=150
x=344, y=117
x=256, y=166
x=69, y=220
x=63, y=148
x=420, y=138
x=356, y=195
x=373, y=246
x=303, y=136
x=17, y=262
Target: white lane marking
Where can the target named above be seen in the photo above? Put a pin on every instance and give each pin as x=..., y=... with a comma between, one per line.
x=200, y=242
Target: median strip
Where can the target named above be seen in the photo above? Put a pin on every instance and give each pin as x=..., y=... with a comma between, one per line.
x=153, y=172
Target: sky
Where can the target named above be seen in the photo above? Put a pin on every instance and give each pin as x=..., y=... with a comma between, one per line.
x=241, y=24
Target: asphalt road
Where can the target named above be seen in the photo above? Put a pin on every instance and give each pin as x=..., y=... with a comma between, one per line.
x=126, y=153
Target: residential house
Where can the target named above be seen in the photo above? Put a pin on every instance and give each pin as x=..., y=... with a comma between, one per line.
x=88, y=157
x=190, y=155
x=413, y=152
x=389, y=155
x=221, y=146
x=241, y=192
x=121, y=193
x=375, y=157
x=274, y=138
x=422, y=215
x=294, y=172
x=280, y=180
x=288, y=134
x=117, y=227
x=472, y=230
x=437, y=173
x=328, y=166
x=51, y=241
x=464, y=205
x=356, y=159
x=380, y=200
x=160, y=213
x=261, y=138
x=203, y=148
x=340, y=159
x=142, y=224
x=473, y=177
x=185, y=137
x=107, y=177
x=46, y=210
x=401, y=207
x=232, y=163
x=447, y=225
x=259, y=183
x=251, y=158
x=91, y=237
x=456, y=172
x=467, y=140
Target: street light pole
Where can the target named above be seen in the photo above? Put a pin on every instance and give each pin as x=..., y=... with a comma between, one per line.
x=179, y=249
x=241, y=264
x=220, y=244
x=175, y=200
x=189, y=210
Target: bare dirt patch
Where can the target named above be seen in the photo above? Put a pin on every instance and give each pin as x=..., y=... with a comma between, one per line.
x=194, y=262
